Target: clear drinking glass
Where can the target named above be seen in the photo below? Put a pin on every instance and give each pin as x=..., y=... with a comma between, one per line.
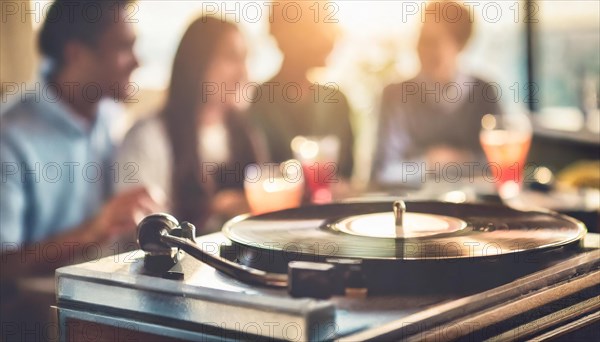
x=506, y=140
x=271, y=187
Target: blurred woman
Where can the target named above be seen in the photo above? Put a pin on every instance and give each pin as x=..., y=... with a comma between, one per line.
x=196, y=149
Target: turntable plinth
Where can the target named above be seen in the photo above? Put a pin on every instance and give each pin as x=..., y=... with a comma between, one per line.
x=394, y=270
x=113, y=299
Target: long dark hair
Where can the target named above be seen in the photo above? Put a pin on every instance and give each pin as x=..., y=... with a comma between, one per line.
x=191, y=189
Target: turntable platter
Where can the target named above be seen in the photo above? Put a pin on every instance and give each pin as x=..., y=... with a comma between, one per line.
x=432, y=231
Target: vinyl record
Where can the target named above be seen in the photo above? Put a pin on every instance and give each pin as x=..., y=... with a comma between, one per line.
x=437, y=231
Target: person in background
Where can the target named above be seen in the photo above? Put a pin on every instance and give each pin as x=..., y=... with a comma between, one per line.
x=57, y=155
x=434, y=117
x=289, y=104
x=196, y=149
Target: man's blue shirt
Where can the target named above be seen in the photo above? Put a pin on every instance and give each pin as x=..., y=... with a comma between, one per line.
x=56, y=169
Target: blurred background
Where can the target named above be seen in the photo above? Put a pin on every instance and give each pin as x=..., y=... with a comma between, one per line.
x=552, y=44
x=543, y=55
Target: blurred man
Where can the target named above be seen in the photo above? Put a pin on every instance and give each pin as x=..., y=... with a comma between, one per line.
x=56, y=151
x=289, y=104
x=434, y=118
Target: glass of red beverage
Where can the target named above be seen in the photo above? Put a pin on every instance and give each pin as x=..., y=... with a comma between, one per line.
x=506, y=140
x=318, y=156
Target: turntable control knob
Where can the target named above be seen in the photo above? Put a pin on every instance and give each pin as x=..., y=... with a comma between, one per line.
x=399, y=210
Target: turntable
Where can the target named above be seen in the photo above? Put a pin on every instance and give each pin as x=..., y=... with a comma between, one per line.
x=349, y=271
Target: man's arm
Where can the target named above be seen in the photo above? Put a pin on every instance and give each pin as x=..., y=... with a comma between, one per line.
x=82, y=243
x=42, y=258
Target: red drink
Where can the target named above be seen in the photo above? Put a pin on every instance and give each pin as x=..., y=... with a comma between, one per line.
x=318, y=177
x=506, y=152
x=318, y=156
